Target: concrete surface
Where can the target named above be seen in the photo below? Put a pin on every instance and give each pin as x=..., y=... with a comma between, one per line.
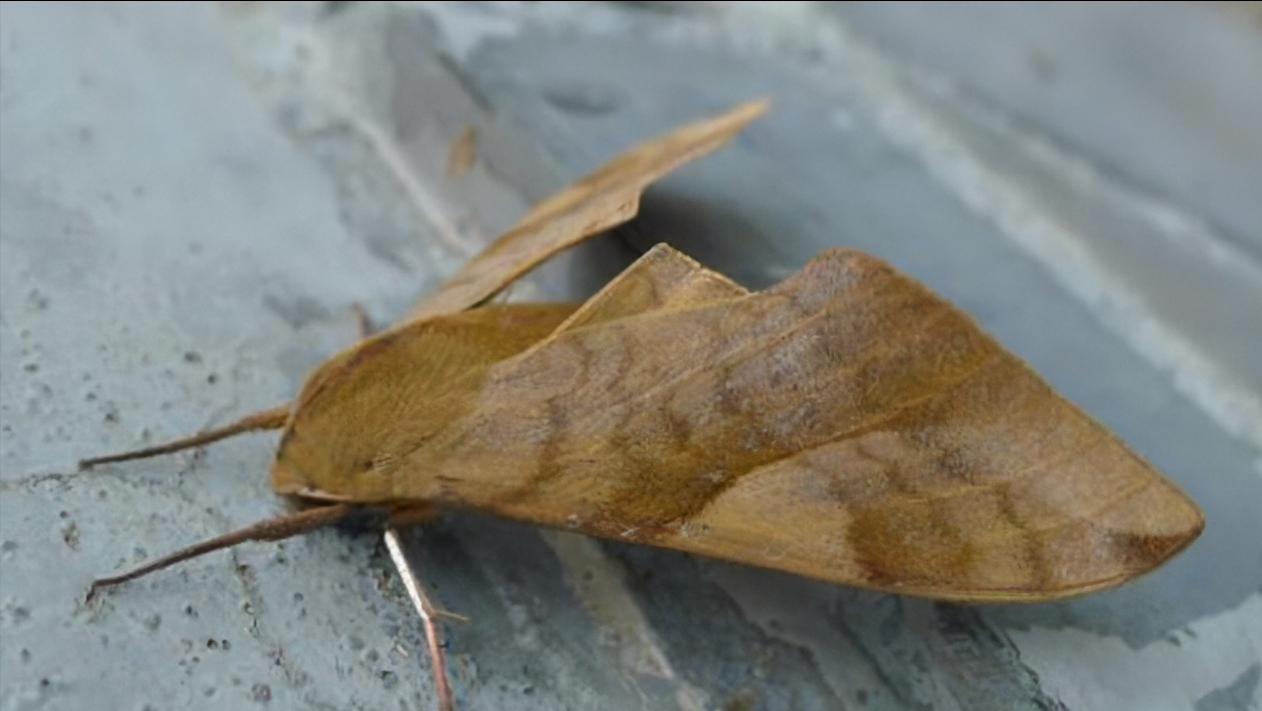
x=192, y=197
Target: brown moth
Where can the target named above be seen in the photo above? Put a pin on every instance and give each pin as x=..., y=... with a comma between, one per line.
x=846, y=424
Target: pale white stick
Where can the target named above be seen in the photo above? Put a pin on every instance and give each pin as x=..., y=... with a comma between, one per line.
x=438, y=659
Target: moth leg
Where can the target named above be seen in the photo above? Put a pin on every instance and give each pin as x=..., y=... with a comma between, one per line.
x=418, y=513
x=269, y=419
x=271, y=529
x=427, y=612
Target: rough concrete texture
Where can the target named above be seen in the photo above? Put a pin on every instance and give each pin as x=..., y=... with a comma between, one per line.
x=193, y=197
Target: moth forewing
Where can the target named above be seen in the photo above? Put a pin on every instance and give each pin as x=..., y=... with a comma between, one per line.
x=402, y=387
x=602, y=199
x=846, y=424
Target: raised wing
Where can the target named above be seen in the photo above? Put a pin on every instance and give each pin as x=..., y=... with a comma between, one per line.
x=847, y=425
x=608, y=196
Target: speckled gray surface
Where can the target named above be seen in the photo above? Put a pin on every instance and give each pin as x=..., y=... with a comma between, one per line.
x=192, y=197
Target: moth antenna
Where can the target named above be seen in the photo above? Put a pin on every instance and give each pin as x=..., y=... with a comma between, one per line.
x=269, y=419
x=428, y=613
x=271, y=529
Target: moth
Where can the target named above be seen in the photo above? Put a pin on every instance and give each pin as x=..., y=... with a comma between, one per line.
x=846, y=424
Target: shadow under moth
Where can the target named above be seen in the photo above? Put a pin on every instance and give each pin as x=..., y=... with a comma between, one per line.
x=846, y=424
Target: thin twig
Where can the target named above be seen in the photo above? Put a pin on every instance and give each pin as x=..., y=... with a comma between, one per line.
x=438, y=658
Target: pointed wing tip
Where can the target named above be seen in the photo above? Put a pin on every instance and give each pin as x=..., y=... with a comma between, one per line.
x=1088, y=555
x=737, y=117
x=1133, y=553
x=1160, y=533
x=1157, y=528
x=1186, y=523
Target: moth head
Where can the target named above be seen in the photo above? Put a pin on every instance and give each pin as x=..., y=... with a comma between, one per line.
x=362, y=413
x=331, y=445
x=351, y=416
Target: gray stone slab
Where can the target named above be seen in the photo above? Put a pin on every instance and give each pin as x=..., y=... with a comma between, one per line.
x=194, y=196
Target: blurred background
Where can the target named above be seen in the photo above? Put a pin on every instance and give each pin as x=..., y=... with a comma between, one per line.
x=193, y=197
